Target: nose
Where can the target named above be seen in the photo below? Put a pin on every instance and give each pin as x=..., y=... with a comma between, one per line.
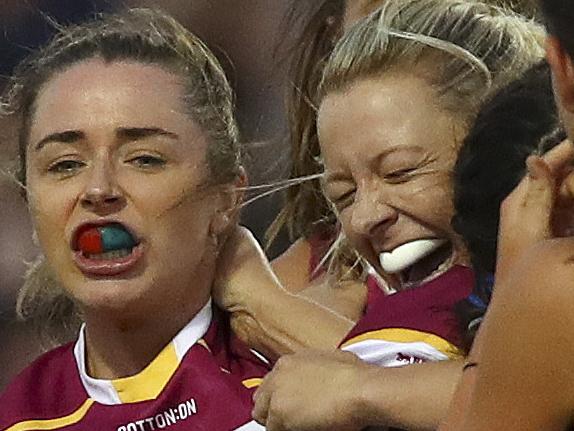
x=371, y=212
x=101, y=193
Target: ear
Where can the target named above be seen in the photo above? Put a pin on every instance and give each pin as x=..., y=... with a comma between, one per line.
x=231, y=196
x=562, y=72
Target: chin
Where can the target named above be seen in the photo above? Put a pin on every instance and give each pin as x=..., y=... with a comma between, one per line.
x=120, y=297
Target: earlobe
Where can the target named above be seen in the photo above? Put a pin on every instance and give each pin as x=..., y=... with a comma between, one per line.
x=228, y=213
x=219, y=224
x=562, y=71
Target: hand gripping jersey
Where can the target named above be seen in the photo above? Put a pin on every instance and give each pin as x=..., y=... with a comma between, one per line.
x=412, y=326
x=202, y=380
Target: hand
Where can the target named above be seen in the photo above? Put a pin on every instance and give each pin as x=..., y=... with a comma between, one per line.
x=241, y=265
x=531, y=213
x=314, y=390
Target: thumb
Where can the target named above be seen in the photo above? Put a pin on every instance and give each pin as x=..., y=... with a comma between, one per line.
x=526, y=214
x=538, y=205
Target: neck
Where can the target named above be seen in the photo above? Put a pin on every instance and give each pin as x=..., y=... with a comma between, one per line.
x=122, y=348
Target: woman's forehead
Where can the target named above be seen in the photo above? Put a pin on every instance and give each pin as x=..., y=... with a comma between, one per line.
x=98, y=94
x=94, y=74
x=369, y=119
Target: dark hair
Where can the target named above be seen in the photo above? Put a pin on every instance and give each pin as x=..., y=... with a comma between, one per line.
x=144, y=36
x=491, y=162
x=559, y=17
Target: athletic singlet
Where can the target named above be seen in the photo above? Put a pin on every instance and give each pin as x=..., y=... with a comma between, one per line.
x=202, y=380
x=412, y=326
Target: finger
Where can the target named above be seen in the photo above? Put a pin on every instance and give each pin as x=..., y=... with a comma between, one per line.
x=526, y=214
x=563, y=214
x=567, y=187
x=274, y=423
x=530, y=204
x=260, y=411
x=560, y=157
x=541, y=188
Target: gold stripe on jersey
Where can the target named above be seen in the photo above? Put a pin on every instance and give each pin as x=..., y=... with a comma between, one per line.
x=252, y=383
x=54, y=424
x=402, y=335
x=148, y=384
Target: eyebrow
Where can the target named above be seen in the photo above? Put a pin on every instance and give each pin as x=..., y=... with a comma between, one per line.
x=67, y=137
x=136, y=133
x=336, y=177
x=124, y=133
x=374, y=161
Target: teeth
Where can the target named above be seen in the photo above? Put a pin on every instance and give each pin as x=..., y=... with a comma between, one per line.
x=110, y=255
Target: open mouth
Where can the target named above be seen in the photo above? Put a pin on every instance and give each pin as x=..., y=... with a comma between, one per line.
x=429, y=267
x=106, y=249
x=418, y=261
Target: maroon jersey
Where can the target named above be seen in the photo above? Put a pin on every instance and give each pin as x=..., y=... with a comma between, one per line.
x=415, y=325
x=202, y=380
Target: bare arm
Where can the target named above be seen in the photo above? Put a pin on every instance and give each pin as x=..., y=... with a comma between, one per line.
x=347, y=298
x=292, y=266
x=522, y=380
x=353, y=395
x=263, y=313
x=415, y=397
x=524, y=377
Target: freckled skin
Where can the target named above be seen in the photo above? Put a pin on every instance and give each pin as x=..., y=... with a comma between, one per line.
x=389, y=150
x=166, y=203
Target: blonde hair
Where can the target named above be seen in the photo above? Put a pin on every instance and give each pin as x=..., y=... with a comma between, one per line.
x=470, y=49
x=305, y=210
x=467, y=50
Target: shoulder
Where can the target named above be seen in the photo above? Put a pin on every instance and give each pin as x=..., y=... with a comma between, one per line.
x=46, y=389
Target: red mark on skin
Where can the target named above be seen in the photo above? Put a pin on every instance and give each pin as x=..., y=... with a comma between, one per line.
x=90, y=241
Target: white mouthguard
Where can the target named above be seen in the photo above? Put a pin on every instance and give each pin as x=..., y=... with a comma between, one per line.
x=408, y=254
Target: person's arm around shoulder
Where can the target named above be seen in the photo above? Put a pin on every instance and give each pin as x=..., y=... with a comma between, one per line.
x=292, y=268
x=264, y=314
x=352, y=394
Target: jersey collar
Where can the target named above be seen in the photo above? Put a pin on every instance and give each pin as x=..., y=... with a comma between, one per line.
x=147, y=384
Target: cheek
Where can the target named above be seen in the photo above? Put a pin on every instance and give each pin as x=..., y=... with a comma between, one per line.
x=182, y=220
x=430, y=199
x=50, y=208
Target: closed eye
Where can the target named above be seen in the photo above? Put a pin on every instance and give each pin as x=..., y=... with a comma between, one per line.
x=345, y=200
x=400, y=175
